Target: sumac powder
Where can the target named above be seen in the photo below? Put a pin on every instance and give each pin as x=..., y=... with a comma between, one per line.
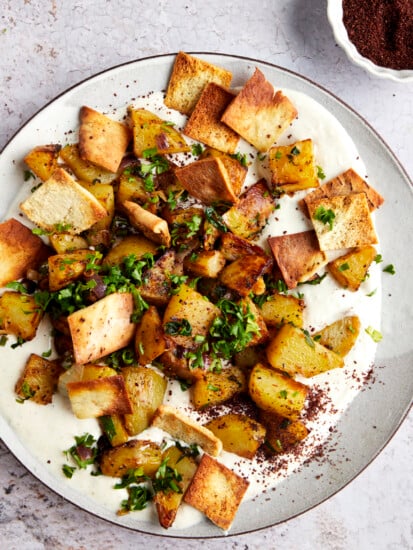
x=381, y=30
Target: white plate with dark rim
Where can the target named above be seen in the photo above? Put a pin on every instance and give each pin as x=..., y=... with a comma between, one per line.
x=373, y=415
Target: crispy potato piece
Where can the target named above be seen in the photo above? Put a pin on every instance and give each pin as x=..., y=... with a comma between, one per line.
x=153, y=227
x=134, y=454
x=67, y=267
x=114, y=428
x=183, y=428
x=131, y=187
x=131, y=244
x=217, y=387
x=298, y=256
x=20, y=250
x=42, y=160
x=91, y=371
x=176, y=364
x=82, y=169
x=276, y=392
x=239, y=433
x=19, y=315
x=102, y=141
x=189, y=77
x=152, y=132
x=249, y=216
x=242, y=274
x=99, y=397
x=341, y=335
x=99, y=233
x=61, y=201
x=281, y=309
x=216, y=491
x=205, y=123
x=350, y=270
x=282, y=433
x=258, y=113
x=206, y=263
x=149, y=338
x=234, y=247
x=293, y=351
x=167, y=503
x=146, y=389
x=292, y=166
x=38, y=381
x=187, y=315
x=351, y=224
x=156, y=286
x=262, y=335
x=102, y=328
x=64, y=242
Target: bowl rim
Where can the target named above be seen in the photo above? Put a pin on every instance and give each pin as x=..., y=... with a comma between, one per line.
x=335, y=17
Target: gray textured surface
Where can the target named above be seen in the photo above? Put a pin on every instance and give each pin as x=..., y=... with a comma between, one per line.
x=47, y=46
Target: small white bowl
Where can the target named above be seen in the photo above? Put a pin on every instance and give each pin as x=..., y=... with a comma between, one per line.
x=335, y=16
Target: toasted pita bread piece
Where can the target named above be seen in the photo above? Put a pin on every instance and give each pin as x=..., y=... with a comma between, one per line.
x=182, y=427
x=259, y=114
x=152, y=226
x=342, y=221
x=99, y=397
x=20, y=250
x=102, y=328
x=61, y=201
x=345, y=184
x=208, y=180
x=102, y=140
x=216, y=491
x=189, y=77
x=298, y=256
x=205, y=123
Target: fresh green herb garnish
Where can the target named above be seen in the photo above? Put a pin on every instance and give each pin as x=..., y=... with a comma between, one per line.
x=375, y=335
x=325, y=216
x=308, y=338
x=389, y=269
x=320, y=173
x=197, y=149
x=167, y=479
x=241, y=158
x=178, y=328
x=344, y=267
x=215, y=219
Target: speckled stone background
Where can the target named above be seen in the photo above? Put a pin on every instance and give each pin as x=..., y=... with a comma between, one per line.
x=49, y=45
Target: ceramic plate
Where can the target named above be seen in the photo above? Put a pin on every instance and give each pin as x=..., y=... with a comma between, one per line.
x=376, y=412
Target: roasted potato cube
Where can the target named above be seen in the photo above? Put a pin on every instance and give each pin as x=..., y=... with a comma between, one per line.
x=340, y=336
x=152, y=132
x=177, y=365
x=38, y=381
x=249, y=357
x=187, y=315
x=292, y=166
x=67, y=267
x=276, y=392
x=42, y=160
x=99, y=233
x=262, y=335
x=241, y=275
x=114, y=428
x=149, y=338
x=134, y=454
x=132, y=244
x=351, y=269
x=281, y=309
x=146, y=389
x=168, y=502
x=64, y=242
x=234, y=247
x=131, y=188
x=83, y=169
x=217, y=387
x=282, y=433
x=93, y=372
x=239, y=433
x=99, y=397
x=206, y=263
x=294, y=351
x=216, y=491
x=156, y=286
x=250, y=214
x=19, y=315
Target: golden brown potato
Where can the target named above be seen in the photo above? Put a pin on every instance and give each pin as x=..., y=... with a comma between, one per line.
x=282, y=433
x=132, y=244
x=292, y=166
x=341, y=335
x=206, y=263
x=64, y=242
x=234, y=247
x=241, y=275
x=177, y=365
x=83, y=169
x=281, y=309
x=146, y=389
x=19, y=315
x=294, y=351
x=91, y=371
x=149, y=338
x=156, y=287
x=351, y=269
x=168, y=502
x=114, y=428
x=216, y=387
x=239, y=433
x=131, y=455
x=38, y=381
x=276, y=392
x=42, y=160
x=99, y=233
x=131, y=187
x=67, y=267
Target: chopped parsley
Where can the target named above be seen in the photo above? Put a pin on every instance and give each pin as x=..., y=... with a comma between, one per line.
x=374, y=334
x=325, y=216
x=320, y=173
x=178, y=328
x=389, y=269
